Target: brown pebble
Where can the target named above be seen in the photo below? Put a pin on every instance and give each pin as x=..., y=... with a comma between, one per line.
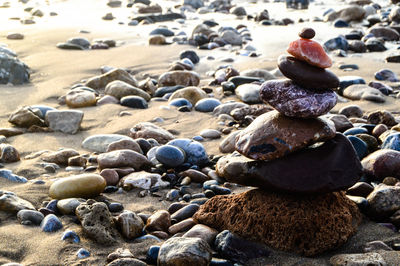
x=307, y=33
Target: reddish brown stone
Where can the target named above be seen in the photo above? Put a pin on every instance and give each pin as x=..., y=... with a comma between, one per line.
x=273, y=135
x=308, y=225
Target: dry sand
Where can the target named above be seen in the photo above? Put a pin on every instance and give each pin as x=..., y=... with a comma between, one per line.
x=55, y=70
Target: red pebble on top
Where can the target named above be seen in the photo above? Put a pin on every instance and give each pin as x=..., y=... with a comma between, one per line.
x=311, y=52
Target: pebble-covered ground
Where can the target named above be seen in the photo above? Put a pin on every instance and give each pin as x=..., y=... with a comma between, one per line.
x=194, y=132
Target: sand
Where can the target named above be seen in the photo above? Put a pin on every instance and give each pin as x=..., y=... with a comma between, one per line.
x=54, y=71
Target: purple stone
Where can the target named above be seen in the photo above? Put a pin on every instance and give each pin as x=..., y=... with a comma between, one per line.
x=294, y=101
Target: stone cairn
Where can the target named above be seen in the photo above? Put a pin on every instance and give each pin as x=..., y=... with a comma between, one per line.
x=296, y=160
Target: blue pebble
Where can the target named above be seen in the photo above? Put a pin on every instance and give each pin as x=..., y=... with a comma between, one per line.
x=160, y=92
x=170, y=155
x=346, y=81
x=355, y=131
x=218, y=190
x=181, y=102
x=71, y=235
x=172, y=195
x=198, y=138
x=51, y=223
x=359, y=145
x=146, y=237
x=209, y=183
x=339, y=42
x=339, y=23
x=8, y=174
x=133, y=101
x=207, y=105
x=52, y=205
x=162, y=31
x=392, y=142
x=152, y=254
x=83, y=253
x=386, y=74
x=187, y=61
x=195, y=152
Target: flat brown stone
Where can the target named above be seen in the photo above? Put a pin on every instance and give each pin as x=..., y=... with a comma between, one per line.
x=273, y=135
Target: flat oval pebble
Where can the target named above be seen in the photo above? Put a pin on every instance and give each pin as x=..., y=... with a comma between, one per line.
x=207, y=105
x=310, y=52
x=295, y=101
x=273, y=135
x=51, y=223
x=170, y=155
x=307, y=33
x=210, y=134
x=134, y=102
x=84, y=186
x=306, y=75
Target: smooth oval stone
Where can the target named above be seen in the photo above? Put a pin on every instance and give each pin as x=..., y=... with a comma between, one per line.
x=392, y=142
x=295, y=101
x=332, y=166
x=207, y=105
x=364, y=92
x=355, y=131
x=249, y=93
x=240, y=80
x=346, y=81
x=71, y=235
x=382, y=163
x=190, y=54
x=30, y=217
x=78, y=186
x=152, y=254
x=51, y=223
x=359, y=145
x=185, y=212
x=306, y=75
x=160, y=92
x=134, y=102
x=195, y=151
x=162, y=31
x=307, y=33
x=170, y=155
x=179, y=102
x=310, y=52
x=99, y=143
x=273, y=135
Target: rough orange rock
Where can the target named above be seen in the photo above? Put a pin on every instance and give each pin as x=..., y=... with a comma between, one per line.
x=308, y=225
x=310, y=52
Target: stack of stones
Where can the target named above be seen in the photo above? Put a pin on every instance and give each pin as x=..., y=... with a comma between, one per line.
x=296, y=160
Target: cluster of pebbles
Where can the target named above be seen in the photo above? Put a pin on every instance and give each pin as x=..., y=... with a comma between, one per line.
x=317, y=174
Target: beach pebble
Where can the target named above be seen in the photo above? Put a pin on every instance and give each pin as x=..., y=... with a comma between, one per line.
x=170, y=156
x=228, y=144
x=346, y=81
x=364, y=92
x=8, y=154
x=371, y=258
x=60, y=157
x=84, y=185
x=306, y=75
x=192, y=94
x=238, y=249
x=195, y=151
x=392, y=142
x=360, y=189
x=111, y=176
x=207, y=105
x=385, y=89
x=355, y=131
x=185, y=78
x=120, y=89
x=386, y=74
x=181, y=226
x=122, y=158
x=11, y=203
x=100, y=82
x=10, y=176
x=51, y=223
x=385, y=33
x=130, y=224
x=152, y=254
x=184, y=251
x=70, y=235
x=202, y=231
x=158, y=221
x=134, y=102
x=99, y=143
x=68, y=206
x=227, y=108
x=97, y=222
x=155, y=8
x=30, y=217
x=148, y=130
x=295, y=101
x=162, y=31
x=25, y=117
x=193, y=3
x=379, y=130
x=338, y=43
x=143, y=180
x=383, y=201
x=15, y=36
x=351, y=111
x=185, y=212
x=66, y=121
x=78, y=161
x=157, y=40
x=249, y=93
x=382, y=117
x=13, y=70
x=180, y=102
x=382, y=163
x=119, y=253
x=311, y=52
x=10, y=132
x=82, y=253
x=359, y=145
x=307, y=33
x=191, y=55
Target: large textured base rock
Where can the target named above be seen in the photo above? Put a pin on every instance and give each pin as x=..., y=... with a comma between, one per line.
x=332, y=166
x=307, y=225
x=273, y=135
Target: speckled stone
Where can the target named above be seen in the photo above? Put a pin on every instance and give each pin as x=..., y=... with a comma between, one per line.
x=295, y=101
x=273, y=135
